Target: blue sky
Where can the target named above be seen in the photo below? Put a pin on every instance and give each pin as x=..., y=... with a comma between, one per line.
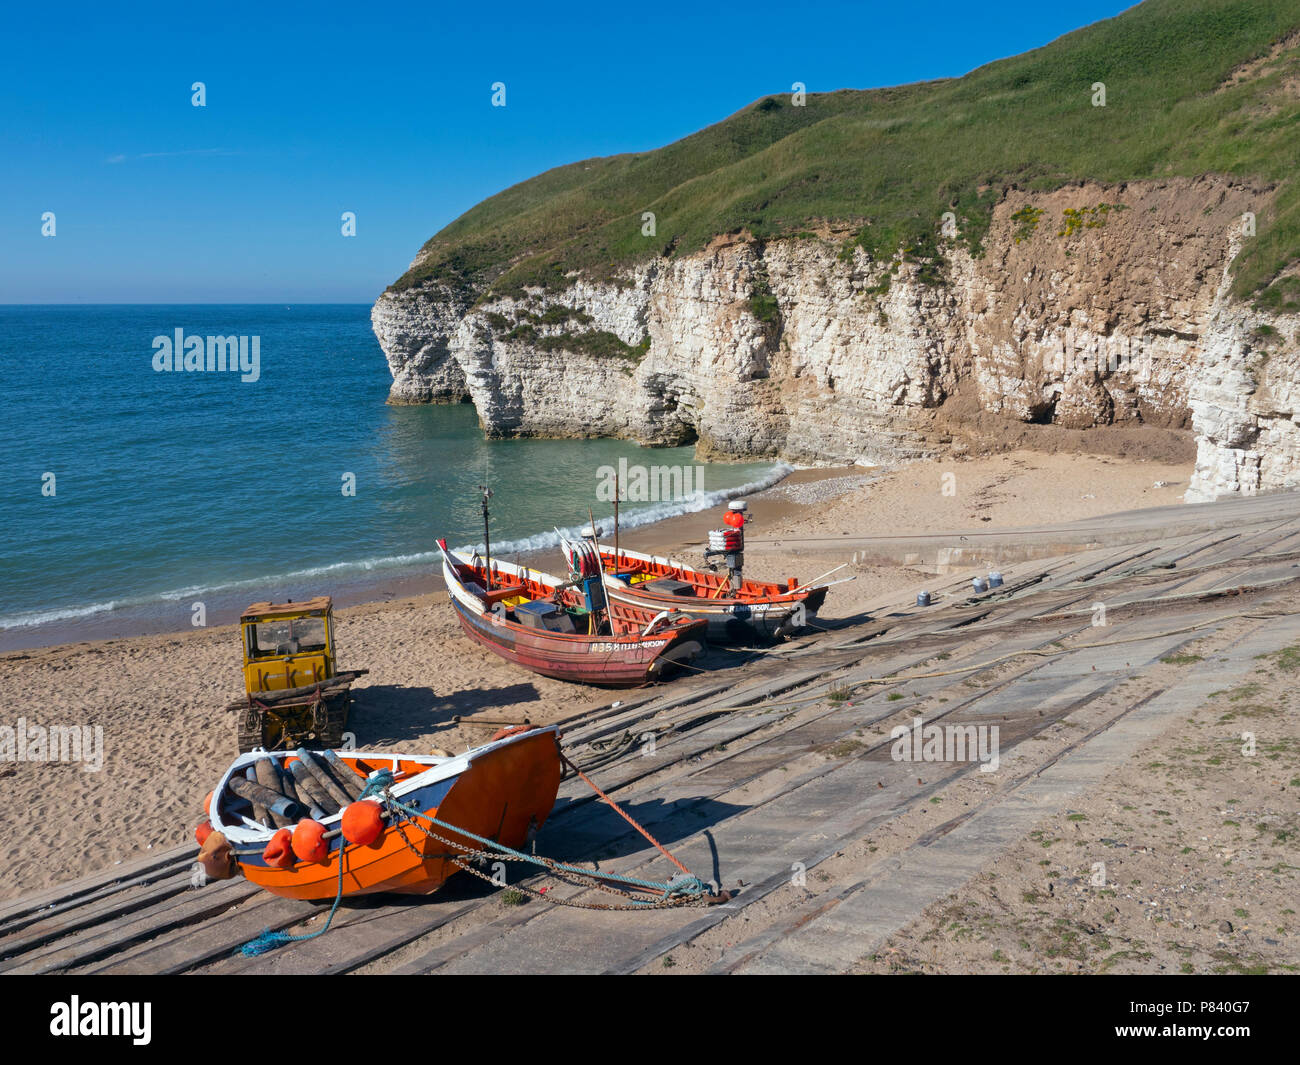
x=385, y=111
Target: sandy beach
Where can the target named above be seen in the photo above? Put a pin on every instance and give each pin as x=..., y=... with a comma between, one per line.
x=159, y=699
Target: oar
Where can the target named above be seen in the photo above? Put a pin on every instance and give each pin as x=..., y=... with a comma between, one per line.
x=828, y=584
x=811, y=583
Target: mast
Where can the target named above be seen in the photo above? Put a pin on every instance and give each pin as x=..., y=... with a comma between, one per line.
x=487, y=543
x=600, y=571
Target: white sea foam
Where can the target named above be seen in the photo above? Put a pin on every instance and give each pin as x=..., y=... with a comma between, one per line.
x=365, y=565
x=29, y=618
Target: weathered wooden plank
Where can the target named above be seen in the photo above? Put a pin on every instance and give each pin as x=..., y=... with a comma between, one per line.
x=95, y=914
x=189, y=945
x=98, y=940
x=119, y=876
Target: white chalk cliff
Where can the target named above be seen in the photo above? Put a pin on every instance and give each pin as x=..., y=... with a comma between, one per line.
x=1122, y=318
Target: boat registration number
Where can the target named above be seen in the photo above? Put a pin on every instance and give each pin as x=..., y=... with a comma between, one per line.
x=607, y=648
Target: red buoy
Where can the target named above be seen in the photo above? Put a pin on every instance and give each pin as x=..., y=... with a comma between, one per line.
x=279, y=852
x=309, y=842
x=203, y=831
x=362, y=822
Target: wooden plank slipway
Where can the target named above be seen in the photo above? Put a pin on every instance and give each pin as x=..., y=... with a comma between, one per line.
x=780, y=763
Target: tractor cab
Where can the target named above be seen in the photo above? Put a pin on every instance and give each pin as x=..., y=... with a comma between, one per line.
x=288, y=645
x=294, y=694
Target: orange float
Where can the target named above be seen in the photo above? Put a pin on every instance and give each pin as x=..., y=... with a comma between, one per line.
x=309, y=842
x=279, y=852
x=510, y=730
x=362, y=822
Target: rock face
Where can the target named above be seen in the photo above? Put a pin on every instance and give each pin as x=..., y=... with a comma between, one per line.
x=1090, y=306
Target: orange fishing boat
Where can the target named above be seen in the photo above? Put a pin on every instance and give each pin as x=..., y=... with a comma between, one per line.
x=757, y=610
x=281, y=817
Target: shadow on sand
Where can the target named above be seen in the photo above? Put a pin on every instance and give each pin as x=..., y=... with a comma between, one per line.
x=393, y=713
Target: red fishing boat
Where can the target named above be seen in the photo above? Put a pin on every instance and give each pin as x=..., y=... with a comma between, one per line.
x=567, y=629
x=759, y=610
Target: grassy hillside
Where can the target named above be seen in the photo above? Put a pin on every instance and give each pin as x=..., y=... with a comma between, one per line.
x=891, y=161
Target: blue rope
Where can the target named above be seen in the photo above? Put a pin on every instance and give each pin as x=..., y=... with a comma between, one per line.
x=379, y=781
x=269, y=940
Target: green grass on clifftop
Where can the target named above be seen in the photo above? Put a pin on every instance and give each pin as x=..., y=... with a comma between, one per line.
x=889, y=162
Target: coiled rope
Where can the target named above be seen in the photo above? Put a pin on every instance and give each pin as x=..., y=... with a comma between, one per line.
x=269, y=940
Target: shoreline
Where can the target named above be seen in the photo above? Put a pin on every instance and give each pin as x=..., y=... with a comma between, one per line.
x=403, y=583
x=398, y=578
x=786, y=517
x=390, y=579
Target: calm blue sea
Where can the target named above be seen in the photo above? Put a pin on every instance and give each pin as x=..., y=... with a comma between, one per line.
x=171, y=487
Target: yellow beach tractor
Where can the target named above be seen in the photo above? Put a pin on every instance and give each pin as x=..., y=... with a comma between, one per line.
x=294, y=696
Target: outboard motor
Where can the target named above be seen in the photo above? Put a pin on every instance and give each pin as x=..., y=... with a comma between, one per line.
x=729, y=543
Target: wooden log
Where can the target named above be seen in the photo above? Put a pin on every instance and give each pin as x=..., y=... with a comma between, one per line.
x=287, y=784
x=269, y=778
x=264, y=771
x=305, y=692
x=272, y=800
x=260, y=812
x=321, y=803
x=352, y=783
x=323, y=777
x=308, y=787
